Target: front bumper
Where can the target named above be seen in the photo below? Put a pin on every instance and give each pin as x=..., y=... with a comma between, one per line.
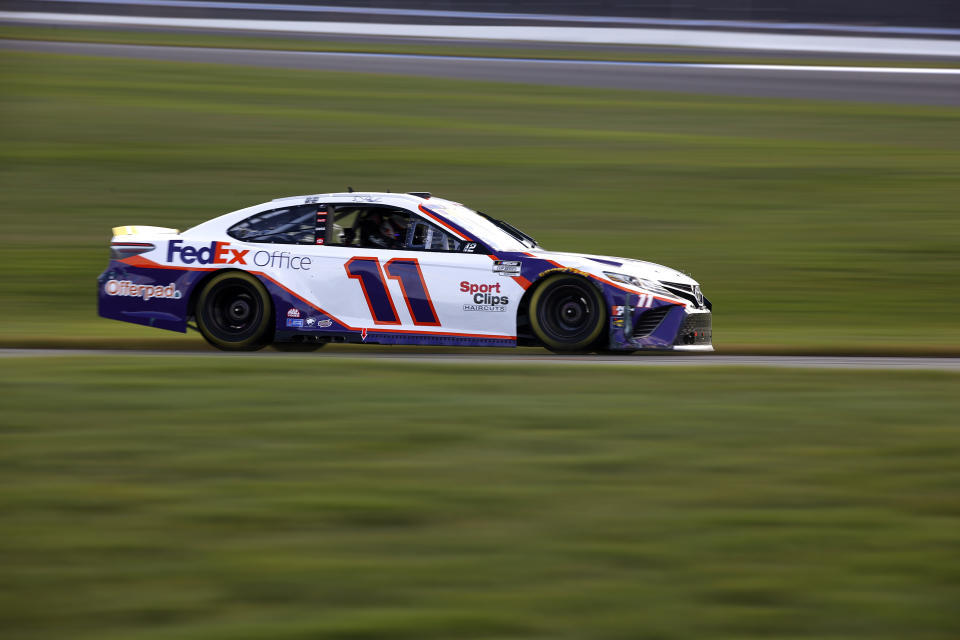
x=696, y=330
x=665, y=326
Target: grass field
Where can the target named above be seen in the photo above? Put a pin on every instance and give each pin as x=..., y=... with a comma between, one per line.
x=811, y=225
x=286, y=498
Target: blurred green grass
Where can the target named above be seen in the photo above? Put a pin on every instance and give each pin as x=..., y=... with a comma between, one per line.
x=811, y=225
x=235, y=497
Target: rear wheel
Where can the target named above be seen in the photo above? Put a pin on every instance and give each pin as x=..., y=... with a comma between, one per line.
x=567, y=313
x=234, y=312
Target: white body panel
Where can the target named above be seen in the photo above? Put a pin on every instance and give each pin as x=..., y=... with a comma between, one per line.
x=318, y=273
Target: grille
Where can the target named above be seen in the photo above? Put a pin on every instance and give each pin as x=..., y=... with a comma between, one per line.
x=649, y=321
x=678, y=286
x=697, y=328
x=684, y=291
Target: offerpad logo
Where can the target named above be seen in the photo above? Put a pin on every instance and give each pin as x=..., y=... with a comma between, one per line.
x=127, y=289
x=214, y=253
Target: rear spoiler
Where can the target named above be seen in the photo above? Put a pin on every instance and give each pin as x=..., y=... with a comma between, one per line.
x=138, y=230
x=132, y=240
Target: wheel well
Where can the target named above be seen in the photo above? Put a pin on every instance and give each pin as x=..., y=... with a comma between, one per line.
x=201, y=283
x=523, y=312
x=524, y=332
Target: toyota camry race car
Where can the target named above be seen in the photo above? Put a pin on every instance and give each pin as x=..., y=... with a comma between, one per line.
x=391, y=268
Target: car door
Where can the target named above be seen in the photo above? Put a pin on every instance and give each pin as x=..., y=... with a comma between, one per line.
x=430, y=280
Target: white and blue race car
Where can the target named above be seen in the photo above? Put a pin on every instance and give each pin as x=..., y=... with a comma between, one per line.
x=390, y=268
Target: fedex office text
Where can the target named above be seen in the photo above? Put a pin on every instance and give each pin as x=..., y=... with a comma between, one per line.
x=223, y=253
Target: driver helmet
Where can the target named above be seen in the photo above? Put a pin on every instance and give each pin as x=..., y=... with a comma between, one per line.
x=392, y=228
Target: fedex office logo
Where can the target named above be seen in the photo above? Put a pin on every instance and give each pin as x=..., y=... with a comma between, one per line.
x=214, y=253
x=223, y=253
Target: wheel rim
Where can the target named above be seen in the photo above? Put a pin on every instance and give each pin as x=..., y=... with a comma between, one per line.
x=235, y=310
x=568, y=312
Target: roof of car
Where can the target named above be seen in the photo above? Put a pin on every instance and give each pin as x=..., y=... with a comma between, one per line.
x=444, y=211
x=415, y=196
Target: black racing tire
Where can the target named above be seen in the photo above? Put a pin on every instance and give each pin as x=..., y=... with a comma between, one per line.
x=567, y=313
x=234, y=312
x=298, y=347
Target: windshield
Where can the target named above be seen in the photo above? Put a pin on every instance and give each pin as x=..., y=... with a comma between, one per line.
x=499, y=234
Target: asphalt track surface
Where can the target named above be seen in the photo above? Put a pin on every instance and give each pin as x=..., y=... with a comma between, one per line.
x=643, y=361
x=339, y=11
x=703, y=53
x=938, y=87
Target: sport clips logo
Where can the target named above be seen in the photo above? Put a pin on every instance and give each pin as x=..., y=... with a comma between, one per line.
x=483, y=297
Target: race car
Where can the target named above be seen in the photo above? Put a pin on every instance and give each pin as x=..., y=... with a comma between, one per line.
x=391, y=268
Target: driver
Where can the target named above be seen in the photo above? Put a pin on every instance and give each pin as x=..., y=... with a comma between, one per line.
x=384, y=231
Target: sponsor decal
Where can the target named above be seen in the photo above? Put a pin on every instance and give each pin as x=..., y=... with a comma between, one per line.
x=487, y=308
x=294, y=322
x=565, y=270
x=486, y=298
x=214, y=253
x=322, y=324
x=366, y=199
x=311, y=199
x=321, y=227
x=363, y=335
x=507, y=267
x=293, y=313
x=618, y=322
x=127, y=289
x=282, y=260
x=616, y=310
x=483, y=294
x=222, y=253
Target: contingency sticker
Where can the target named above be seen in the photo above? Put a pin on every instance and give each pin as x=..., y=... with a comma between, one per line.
x=506, y=267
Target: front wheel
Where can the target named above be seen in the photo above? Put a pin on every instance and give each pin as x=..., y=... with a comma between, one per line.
x=567, y=313
x=234, y=312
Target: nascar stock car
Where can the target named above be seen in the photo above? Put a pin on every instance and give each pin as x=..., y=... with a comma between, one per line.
x=391, y=268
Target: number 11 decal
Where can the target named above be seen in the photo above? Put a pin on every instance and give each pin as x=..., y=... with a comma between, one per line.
x=407, y=272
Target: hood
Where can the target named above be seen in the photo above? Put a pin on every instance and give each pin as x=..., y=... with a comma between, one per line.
x=598, y=264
